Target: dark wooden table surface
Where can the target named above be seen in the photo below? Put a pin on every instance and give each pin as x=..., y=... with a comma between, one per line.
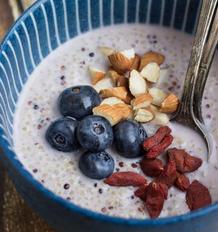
x=15, y=215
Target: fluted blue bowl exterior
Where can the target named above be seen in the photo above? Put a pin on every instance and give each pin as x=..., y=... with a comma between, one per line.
x=39, y=31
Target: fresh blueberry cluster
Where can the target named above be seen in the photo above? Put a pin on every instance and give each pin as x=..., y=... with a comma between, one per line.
x=78, y=128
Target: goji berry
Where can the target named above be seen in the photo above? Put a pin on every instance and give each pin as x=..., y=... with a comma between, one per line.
x=197, y=196
x=160, y=148
x=182, y=182
x=156, y=138
x=125, y=179
x=152, y=167
x=169, y=174
x=184, y=161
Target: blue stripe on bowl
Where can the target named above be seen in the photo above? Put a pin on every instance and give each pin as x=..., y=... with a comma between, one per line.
x=131, y=9
x=106, y=12
x=71, y=18
x=143, y=11
x=83, y=15
x=119, y=8
x=95, y=13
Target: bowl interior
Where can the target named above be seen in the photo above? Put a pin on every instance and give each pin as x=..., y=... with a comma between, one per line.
x=50, y=23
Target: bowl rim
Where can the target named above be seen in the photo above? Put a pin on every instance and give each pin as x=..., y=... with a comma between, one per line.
x=70, y=205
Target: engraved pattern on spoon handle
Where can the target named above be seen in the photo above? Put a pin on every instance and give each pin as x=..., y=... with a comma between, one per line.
x=207, y=9
x=204, y=68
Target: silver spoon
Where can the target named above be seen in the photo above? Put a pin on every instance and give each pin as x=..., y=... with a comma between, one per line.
x=202, y=53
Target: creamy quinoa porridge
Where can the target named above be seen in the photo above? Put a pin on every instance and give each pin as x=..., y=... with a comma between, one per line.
x=67, y=66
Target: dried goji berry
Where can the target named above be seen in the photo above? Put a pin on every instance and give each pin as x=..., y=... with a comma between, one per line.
x=141, y=192
x=125, y=179
x=182, y=182
x=169, y=174
x=156, y=138
x=155, y=199
x=160, y=148
x=197, y=196
x=184, y=161
x=152, y=167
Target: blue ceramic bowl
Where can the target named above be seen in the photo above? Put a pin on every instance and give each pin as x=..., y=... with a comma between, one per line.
x=40, y=30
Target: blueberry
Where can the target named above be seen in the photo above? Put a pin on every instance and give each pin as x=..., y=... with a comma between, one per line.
x=61, y=134
x=95, y=133
x=96, y=165
x=78, y=101
x=128, y=138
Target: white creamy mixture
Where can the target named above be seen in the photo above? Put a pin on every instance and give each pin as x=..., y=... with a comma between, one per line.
x=67, y=66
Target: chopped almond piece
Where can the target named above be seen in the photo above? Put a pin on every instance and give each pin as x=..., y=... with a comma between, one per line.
x=109, y=112
x=158, y=96
x=161, y=119
x=137, y=84
x=151, y=57
x=143, y=115
x=114, y=76
x=114, y=113
x=170, y=104
x=96, y=75
x=142, y=101
x=151, y=72
x=106, y=50
x=129, y=98
x=103, y=84
x=126, y=110
x=122, y=61
x=119, y=92
x=111, y=101
x=123, y=81
x=136, y=62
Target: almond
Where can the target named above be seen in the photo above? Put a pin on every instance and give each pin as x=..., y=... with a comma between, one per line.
x=142, y=101
x=109, y=112
x=122, y=61
x=143, y=115
x=114, y=76
x=107, y=51
x=137, y=84
x=96, y=75
x=164, y=72
x=170, y=104
x=160, y=118
x=126, y=110
x=151, y=57
x=151, y=72
x=111, y=101
x=103, y=84
x=136, y=62
x=158, y=96
x=128, y=98
x=123, y=81
x=119, y=92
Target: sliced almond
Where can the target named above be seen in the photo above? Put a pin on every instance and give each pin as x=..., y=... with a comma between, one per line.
x=151, y=57
x=170, y=104
x=114, y=76
x=123, y=81
x=111, y=101
x=151, y=72
x=143, y=115
x=109, y=112
x=142, y=101
x=160, y=119
x=136, y=62
x=158, y=96
x=119, y=92
x=137, y=84
x=122, y=61
x=107, y=51
x=126, y=110
x=96, y=75
x=103, y=84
